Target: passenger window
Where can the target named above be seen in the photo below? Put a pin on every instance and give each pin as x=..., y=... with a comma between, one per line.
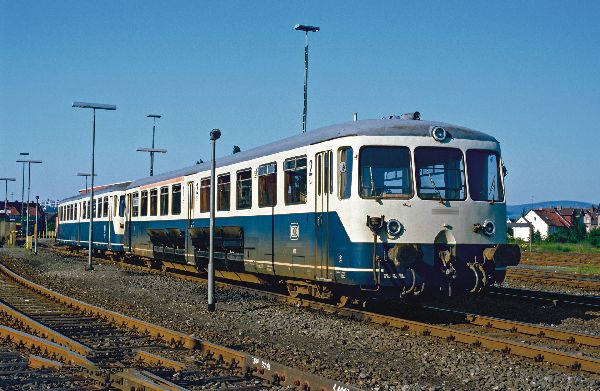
x=267, y=185
x=83, y=210
x=153, y=202
x=164, y=200
x=440, y=174
x=115, y=199
x=295, y=180
x=327, y=172
x=385, y=172
x=135, y=201
x=344, y=172
x=205, y=195
x=244, y=189
x=75, y=213
x=144, y=203
x=223, y=191
x=176, y=199
x=105, y=213
x=121, y=206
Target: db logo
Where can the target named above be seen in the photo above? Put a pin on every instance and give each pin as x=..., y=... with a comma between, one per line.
x=294, y=231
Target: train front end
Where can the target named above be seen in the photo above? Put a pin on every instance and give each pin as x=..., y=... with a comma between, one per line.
x=431, y=211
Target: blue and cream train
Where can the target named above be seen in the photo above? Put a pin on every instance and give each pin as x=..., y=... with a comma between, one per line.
x=389, y=207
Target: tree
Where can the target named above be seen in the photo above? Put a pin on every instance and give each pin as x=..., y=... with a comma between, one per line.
x=537, y=237
x=594, y=237
x=236, y=149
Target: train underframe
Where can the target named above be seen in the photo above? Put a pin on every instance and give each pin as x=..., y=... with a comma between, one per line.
x=399, y=271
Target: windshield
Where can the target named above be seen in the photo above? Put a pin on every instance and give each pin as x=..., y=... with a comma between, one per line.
x=484, y=175
x=440, y=173
x=385, y=172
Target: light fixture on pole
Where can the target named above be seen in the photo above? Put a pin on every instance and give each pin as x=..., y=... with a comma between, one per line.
x=86, y=175
x=94, y=107
x=35, y=229
x=306, y=29
x=23, y=188
x=29, y=162
x=154, y=117
x=6, y=180
x=152, y=151
x=215, y=134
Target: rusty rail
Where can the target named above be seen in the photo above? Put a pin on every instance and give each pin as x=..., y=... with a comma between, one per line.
x=50, y=348
x=271, y=371
x=525, y=328
x=553, y=278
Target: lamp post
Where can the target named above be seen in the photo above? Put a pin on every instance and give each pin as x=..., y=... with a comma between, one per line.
x=152, y=151
x=306, y=29
x=86, y=175
x=29, y=162
x=35, y=230
x=215, y=134
x=94, y=107
x=6, y=180
x=23, y=187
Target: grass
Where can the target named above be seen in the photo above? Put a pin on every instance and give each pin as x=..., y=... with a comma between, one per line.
x=580, y=248
x=589, y=269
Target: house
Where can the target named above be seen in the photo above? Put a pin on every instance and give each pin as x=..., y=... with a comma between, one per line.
x=546, y=221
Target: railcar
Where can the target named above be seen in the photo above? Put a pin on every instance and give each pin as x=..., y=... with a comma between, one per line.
x=391, y=207
x=108, y=209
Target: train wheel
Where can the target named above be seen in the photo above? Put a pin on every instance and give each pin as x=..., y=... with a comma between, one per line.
x=342, y=301
x=292, y=291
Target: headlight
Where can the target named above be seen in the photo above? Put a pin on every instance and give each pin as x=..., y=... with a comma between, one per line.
x=394, y=227
x=488, y=227
x=438, y=133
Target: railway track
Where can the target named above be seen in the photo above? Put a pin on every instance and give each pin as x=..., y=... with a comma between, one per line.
x=540, y=343
x=551, y=298
x=547, y=277
x=109, y=350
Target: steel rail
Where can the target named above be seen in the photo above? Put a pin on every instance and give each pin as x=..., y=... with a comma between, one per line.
x=38, y=362
x=572, y=361
x=246, y=363
x=564, y=359
x=553, y=298
x=51, y=348
x=524, y=328
x=42, y=330
x=553, y=278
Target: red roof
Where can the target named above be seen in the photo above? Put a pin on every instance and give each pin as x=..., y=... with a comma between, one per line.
x=552, y=218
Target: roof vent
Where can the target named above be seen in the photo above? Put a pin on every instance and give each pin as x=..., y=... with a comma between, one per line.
x=416, y=116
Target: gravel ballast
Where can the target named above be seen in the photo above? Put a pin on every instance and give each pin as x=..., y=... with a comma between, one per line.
x=363, y=354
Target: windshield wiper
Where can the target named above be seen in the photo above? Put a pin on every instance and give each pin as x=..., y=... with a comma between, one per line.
x=434, y=186
x=491, y=190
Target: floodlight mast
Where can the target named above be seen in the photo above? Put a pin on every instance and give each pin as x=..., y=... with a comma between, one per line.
x=154, y=117
x=93, y=106
x=6, y=180
x=29, y=162
x=306, y=29
x=23, y=188
x=86, y=175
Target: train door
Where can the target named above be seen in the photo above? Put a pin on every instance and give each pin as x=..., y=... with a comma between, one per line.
x=189, y=249
x=128, y=213
x=323, y=190
x=109, y=224
x=79, y=223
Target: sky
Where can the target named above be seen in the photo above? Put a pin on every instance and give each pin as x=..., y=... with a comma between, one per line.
x=526, y=72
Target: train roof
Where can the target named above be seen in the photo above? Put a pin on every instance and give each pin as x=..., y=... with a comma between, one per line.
x=102, y=190
x=380, y=127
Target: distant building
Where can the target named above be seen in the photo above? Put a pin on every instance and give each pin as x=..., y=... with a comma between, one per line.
x=548, y=221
